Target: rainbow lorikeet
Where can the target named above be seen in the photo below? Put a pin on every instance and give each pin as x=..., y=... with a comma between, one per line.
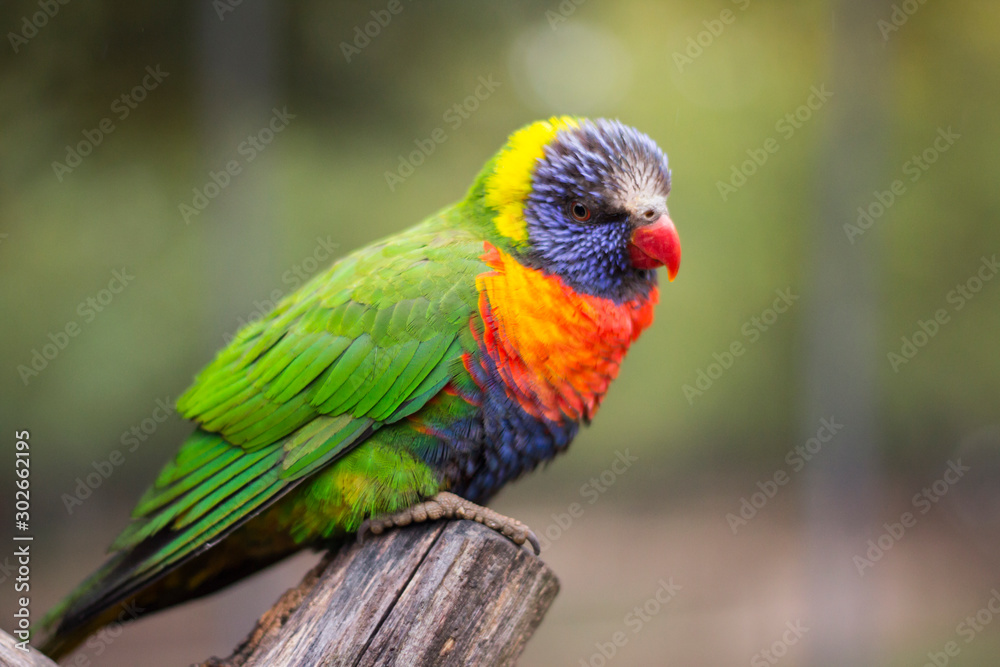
x=412, y=379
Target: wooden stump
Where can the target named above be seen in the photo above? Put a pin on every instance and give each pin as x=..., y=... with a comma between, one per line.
x=443, y=593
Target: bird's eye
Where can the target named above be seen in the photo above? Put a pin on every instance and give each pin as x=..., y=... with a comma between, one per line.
x=579, y=212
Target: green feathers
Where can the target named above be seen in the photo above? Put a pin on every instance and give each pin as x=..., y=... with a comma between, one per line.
x=357, y=349
x=359, y=340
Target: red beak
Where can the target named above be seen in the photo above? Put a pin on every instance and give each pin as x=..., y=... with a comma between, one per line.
x=655, y=245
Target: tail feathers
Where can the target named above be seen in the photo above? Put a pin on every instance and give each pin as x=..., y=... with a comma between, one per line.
x=108, y=596
x=67, y=639
x=61, y=642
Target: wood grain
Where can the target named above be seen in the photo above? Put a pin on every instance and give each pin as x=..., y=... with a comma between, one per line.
x=11, y=656
x=444, y=593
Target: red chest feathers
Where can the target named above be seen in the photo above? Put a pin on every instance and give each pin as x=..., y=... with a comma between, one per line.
x=556, y=350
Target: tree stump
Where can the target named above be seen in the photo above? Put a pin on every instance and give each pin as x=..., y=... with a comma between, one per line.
x=443, y=593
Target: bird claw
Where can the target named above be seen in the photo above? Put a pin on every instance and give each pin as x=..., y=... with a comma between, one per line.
x=373, y=526
x=446, y=505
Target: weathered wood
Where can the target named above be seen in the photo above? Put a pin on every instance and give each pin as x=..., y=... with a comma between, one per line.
x=445, y=593
x=11, y=656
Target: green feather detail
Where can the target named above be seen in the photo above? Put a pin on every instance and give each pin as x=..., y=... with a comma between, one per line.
x=428, y=355
x=386, y=377
x=323, y=446
x=341, y=380
x=236, y=477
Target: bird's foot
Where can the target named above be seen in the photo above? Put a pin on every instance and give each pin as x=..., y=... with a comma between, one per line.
x=446, y=505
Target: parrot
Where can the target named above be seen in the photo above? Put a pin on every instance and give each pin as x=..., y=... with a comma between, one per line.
x=410, y=380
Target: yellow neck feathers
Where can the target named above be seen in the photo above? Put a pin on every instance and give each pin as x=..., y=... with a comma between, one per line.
x=510, y=184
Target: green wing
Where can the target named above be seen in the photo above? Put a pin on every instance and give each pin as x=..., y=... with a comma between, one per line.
x=366, y=340
x=364, y=344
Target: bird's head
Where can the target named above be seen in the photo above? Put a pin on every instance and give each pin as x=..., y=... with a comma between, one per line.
x=584, y=200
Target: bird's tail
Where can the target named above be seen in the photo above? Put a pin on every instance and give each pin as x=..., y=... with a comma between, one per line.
x=86, y=610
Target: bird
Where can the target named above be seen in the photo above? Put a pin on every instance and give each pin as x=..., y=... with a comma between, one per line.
x=409, y=381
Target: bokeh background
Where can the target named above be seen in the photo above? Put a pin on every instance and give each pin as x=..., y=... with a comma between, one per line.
x=842, y=98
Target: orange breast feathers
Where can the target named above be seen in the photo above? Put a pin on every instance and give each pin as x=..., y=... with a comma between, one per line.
x=556, y=350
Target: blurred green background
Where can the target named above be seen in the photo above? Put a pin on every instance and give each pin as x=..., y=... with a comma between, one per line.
x=716, y=85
